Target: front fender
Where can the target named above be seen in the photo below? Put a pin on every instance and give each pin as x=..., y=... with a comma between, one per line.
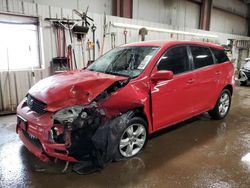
x=132, y=96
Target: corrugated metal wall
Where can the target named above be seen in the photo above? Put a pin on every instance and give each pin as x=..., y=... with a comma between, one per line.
x=97, y=6
x=180, y=13
x=184, y=13
x=14, y=85
x=234, y=6
x=220, y=22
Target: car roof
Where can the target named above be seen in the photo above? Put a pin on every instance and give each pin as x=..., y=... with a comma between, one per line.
x=166, y=43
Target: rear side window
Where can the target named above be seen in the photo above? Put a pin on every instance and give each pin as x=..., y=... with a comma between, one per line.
x=175, y=60
x=202, y=56
x=220, y=55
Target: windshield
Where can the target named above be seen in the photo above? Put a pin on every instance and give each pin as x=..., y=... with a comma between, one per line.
x=124, y=61
x=247, y=65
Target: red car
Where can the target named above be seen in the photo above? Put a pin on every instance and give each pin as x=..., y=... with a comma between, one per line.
x=107, y=111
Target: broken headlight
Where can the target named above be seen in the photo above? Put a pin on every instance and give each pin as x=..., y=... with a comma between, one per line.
x=68, y=115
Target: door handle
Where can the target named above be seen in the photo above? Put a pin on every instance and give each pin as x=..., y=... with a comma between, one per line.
x=190, y=81
x=218, y=73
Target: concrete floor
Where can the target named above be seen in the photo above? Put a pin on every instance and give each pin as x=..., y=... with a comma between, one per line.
x=198, y=153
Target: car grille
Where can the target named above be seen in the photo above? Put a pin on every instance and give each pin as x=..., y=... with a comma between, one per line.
x=36, y=105
x=35, y=141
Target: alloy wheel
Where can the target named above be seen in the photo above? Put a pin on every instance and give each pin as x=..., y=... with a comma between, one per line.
x=132, y=140
x=224, y=104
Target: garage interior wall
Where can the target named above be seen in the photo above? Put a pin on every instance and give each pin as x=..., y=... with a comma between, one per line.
x=15, y=84
x=235, y=25
x=180, y=13
x=97, y=6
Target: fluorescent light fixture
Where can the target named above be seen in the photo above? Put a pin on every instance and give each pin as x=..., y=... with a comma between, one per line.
x=131, y=26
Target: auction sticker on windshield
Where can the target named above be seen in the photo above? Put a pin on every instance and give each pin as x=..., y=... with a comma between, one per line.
x=144, y=62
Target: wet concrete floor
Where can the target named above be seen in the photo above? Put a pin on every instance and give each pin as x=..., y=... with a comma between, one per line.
x=197, y=153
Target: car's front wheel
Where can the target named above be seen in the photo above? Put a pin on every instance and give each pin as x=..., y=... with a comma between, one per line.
x=222, y=106
x=133, y=138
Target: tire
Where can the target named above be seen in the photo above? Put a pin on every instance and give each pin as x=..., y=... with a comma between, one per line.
x=130, y=143
x=222, y=106
x=243, y=83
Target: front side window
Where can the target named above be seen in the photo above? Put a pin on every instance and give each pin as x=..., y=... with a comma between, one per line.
x=219, y=55
x=124, y=61
x=175, y=60
x=202, y=56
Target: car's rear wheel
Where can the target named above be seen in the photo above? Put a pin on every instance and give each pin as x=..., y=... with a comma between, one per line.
x=222, y=106
x=133, y=138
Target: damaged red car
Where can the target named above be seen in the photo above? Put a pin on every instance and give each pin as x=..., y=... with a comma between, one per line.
x=107, y=111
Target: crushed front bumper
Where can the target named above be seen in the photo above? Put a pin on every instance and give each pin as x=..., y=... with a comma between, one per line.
x=33, y=129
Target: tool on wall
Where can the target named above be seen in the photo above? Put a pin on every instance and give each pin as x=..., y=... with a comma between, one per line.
x=69, y=56
x=105, y=32
x=76, y=27
x=72, y=49
x=113, y=35
x=81, y=31
x=61, y=62
x=82, y=50
x=93, y=28
x=98, y=47
x=143, y=32
x=90, y=46
x=125, y=32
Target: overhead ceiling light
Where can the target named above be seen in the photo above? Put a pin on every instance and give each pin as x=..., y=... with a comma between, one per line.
x=131, y=26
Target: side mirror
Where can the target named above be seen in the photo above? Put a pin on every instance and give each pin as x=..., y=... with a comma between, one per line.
x=162, y=75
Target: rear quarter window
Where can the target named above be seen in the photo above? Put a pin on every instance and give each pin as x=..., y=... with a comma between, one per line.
x=220, y=55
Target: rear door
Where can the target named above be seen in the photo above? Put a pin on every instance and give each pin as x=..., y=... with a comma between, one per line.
x=172, y=99
x=207, y=82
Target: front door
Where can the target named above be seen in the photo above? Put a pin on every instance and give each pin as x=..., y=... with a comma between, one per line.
x=172, y=99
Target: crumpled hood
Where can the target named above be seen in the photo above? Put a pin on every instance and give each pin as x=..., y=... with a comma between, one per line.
x=78, y=87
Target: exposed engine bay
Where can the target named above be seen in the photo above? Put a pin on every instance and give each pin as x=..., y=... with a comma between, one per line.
x=87, y=133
